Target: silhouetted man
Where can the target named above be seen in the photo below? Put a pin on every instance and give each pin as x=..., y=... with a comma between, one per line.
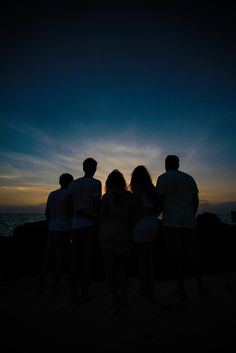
x=178, y=192
x=58, y=215
x=86, y=196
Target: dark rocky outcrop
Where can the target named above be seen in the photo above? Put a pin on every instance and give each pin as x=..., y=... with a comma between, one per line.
x=22, y=254
x=233, y=216
x=217, y=240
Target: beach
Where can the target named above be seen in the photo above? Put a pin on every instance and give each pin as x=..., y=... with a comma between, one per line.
x=202, y=323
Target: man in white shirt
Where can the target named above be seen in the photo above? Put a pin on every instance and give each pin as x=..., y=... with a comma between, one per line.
x=178, y=193
x=86, y=196
x=58, y=215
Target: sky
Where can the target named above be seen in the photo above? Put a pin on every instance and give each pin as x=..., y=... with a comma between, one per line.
x=125, y=83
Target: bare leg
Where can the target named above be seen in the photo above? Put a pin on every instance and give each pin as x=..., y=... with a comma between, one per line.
x=109, y=264
x=73, y=268
x=140, y=251
x=62, y=245
x=151, y=268
x=87, y=256
x=122, y=278
x=47, y=263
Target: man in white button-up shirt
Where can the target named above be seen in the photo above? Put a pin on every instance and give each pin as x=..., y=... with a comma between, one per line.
x=86, y=196
x=178, y=193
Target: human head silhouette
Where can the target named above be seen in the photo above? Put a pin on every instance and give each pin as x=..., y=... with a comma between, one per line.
x=65, y=179
x=172, y=162
x=115, y=180
x=140, y=176
x=89, y=167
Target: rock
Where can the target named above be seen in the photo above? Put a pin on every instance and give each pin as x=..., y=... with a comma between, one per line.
x=233, y=216
x=22, y=254
x=218, y=242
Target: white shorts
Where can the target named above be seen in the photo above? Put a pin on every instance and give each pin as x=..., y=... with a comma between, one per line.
x=146, y=229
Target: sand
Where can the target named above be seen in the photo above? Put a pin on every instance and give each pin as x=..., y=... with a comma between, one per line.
x=35, y=322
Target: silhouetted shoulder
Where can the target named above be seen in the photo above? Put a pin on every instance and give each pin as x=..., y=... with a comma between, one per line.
x=84, y=180
x=54, y=193
x=161, y=181
x=97, y=182
x=174, y=174
x=128, y=194
x=73, y=183
x=188, y=179
x=162, y=175
x=185, y=175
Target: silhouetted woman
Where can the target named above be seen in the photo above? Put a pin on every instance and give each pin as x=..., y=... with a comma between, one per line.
x=115, y=234
x=145, y=228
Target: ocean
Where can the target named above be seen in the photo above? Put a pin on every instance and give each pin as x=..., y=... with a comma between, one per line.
x=8, y=221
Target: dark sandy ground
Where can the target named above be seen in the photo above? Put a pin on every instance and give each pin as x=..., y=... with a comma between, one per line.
x=36, y=323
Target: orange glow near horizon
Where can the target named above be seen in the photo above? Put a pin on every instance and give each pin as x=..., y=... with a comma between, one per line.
x=30, y=185
x=37, y=195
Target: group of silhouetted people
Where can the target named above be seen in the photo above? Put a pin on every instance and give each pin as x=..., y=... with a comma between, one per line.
x=123, y=219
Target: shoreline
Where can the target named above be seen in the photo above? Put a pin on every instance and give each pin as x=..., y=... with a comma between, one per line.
x=40, y=217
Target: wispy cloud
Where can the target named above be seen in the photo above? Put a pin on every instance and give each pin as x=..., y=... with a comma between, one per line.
x=29, y=176
x=30, y=131
x=124, y=155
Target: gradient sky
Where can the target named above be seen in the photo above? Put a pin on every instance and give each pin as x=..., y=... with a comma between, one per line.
x=125, y=84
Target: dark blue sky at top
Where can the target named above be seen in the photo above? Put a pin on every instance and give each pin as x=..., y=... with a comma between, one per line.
x=129, y=60
x=166, y=72
x=139, y=64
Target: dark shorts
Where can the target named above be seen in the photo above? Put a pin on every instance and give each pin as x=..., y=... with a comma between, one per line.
x=58, y=240
x=83, y=236
x=83, y=247
x=181, y=243
x=58, y=243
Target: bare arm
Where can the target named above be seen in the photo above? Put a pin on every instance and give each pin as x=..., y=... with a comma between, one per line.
x=195, y=203
x=104, y=209
x=160, y=203
x=161, y=191
x=47, y=213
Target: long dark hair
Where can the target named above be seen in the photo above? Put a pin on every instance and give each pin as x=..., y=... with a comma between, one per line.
x=140, y=176
x=116, y=184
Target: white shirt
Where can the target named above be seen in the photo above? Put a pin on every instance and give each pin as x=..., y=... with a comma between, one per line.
x=84, y=190
x=58, y=207
x=178, y=189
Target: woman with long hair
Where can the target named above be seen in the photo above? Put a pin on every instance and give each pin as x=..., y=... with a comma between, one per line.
x=115, y=234
x=145, y=230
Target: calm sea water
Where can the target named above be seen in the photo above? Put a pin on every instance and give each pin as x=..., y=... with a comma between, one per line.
x=8, y=221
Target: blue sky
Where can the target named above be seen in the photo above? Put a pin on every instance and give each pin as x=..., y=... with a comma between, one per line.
x=124, y=84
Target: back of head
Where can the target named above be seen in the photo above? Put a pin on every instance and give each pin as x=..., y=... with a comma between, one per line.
x=115, y=180
x=89, y=166
x=141, y=177
x=172, y=162
x=116, y=184
x=65, y=180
